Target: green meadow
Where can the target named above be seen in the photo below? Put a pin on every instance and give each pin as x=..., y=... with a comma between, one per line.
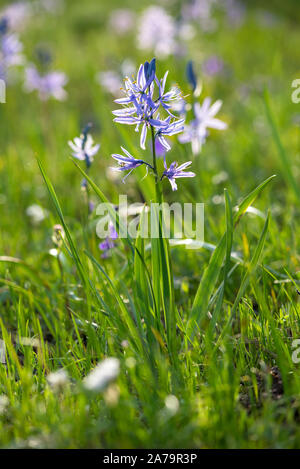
x=206, y=341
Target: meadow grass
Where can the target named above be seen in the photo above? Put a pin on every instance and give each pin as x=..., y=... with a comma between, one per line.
x=204, y=337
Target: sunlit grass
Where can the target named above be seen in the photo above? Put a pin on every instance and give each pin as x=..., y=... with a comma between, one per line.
x=203, y=337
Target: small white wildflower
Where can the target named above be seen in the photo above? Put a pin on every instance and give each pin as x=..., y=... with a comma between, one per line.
x=105, y=372
x=4, y=402
x=2, y=352
x=83, y=147
x=220, y=177
x=58, y=379
x=218, y=199
x=111, y=395
x=130, y=362
x=172, y=404
x=36, y=213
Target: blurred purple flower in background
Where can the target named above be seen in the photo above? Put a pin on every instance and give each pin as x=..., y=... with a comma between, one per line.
x=196, y=131
x=110, y=81
x=157, y=31
x=17, y=14
x=235, y=11
x=121, y=21
x=213, y=66
x=49, y=85
x=10, y=49
x=108, y=243
x=200, y=11
x=175, y=171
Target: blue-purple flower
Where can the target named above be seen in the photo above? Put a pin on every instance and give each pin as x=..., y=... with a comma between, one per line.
x=196, y=131
x=17, y=14
x=10, y=48
x=49, y=85
x=175, y=171
x=127, y=162
x=146, y=98
x=172, y=128
x=109, y=242
x=141, y=106
x=213, y=66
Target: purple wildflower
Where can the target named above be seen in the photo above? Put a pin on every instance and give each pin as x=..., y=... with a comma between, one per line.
x=201, y=11
x=83, y=147
x=157, y=31
x=122, y=21
x=141, y=107
x=127, y=162
x=213, y=66
x=235, y=11
x=175, y=171
x=172, y=128
x=196, y=132
x=17, y=14
x=108, y=243
x=160, y=149
x=167, y=99
x=49, y=85
x=10, y=48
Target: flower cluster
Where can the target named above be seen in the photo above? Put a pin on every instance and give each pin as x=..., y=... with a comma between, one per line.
x=145, y=98
x=141, y=106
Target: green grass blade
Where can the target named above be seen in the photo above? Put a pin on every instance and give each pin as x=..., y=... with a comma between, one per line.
x=285, y=162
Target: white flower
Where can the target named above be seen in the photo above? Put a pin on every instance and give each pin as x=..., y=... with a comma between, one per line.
x=84, y=150
x=4, y=403
x=105, y=372
x=58, y=379
x=172, y=404
x=157, y=31
x=36, y=213
x=2, y=351
x=196, y=131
